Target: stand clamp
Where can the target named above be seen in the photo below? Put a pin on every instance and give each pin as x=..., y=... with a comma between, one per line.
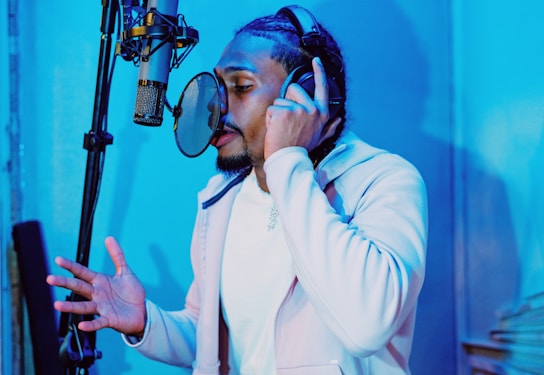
x=97, y=142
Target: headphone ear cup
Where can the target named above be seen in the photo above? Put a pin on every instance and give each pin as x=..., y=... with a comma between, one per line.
x=304, y=76
x=336, y=99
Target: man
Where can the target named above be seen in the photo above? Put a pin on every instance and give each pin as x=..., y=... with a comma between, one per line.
x=308, y=251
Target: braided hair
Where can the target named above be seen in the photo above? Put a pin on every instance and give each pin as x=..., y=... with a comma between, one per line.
x=287, y=50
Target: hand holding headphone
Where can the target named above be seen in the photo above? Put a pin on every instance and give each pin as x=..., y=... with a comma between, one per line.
x=308, y=120
x=299, y=117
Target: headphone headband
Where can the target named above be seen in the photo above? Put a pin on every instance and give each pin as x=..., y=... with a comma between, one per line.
x=306, y=25
x=311, y=38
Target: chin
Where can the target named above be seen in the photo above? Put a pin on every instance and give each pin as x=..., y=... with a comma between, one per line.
x=233, y=165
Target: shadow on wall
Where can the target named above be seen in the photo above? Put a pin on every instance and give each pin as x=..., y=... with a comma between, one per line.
x=492, y=275
x=130, y=143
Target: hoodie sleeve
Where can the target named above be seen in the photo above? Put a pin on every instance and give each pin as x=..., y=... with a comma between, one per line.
x=359, y=245
x=169, y=336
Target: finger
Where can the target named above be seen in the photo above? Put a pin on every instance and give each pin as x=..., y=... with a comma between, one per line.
x=78, y=286
x=282, y=103
x=279, y=110
x=295, y=93
x=321, y=92
x=93, y=325
x=80, y=307
x=116, y=253
x=76, y=269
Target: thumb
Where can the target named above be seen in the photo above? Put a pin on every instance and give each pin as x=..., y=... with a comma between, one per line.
x=116, y=254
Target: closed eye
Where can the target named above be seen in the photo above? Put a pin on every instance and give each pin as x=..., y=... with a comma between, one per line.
x=242, y=88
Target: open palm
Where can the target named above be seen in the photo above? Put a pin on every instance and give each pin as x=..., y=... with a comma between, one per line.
x=118, y=300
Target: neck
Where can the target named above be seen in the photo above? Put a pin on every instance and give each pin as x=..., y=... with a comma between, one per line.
x=261, y=178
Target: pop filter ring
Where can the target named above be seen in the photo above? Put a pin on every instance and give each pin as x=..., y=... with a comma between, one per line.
x=177, y=111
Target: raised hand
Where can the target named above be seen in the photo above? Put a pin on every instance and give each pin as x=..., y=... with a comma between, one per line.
x=118, y=300
x=299, y=120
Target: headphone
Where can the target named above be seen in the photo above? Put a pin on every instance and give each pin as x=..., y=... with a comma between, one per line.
x=314, y=42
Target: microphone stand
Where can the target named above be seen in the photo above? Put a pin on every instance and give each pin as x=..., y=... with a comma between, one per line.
x=77, y=348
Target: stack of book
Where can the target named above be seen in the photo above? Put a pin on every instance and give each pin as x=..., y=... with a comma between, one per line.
x=516, y=346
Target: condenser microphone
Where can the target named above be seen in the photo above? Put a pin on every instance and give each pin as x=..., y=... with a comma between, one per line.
x=155, y=59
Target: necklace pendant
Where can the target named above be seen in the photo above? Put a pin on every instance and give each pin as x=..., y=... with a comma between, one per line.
x=273, y=218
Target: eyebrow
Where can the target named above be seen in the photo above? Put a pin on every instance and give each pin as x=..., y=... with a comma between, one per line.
x=237, y=68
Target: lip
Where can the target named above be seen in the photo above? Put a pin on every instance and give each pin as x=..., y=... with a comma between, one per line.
x=223, y=136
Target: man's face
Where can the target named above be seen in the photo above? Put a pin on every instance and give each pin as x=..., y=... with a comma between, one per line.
x=251, y=81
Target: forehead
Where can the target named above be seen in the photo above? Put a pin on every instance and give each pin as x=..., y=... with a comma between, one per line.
x=247, y=52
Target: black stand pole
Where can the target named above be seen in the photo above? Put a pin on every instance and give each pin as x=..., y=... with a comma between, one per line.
x=77, y=349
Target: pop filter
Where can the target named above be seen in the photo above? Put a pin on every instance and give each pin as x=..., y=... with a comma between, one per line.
x=197, y=114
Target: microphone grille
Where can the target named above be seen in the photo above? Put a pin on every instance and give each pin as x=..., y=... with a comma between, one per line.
x=150, y=100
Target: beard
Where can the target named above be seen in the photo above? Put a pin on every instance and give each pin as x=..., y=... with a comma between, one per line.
x=234, y=165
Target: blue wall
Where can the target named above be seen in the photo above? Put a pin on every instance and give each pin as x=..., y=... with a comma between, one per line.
x=499, y=142
x=398, y=63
